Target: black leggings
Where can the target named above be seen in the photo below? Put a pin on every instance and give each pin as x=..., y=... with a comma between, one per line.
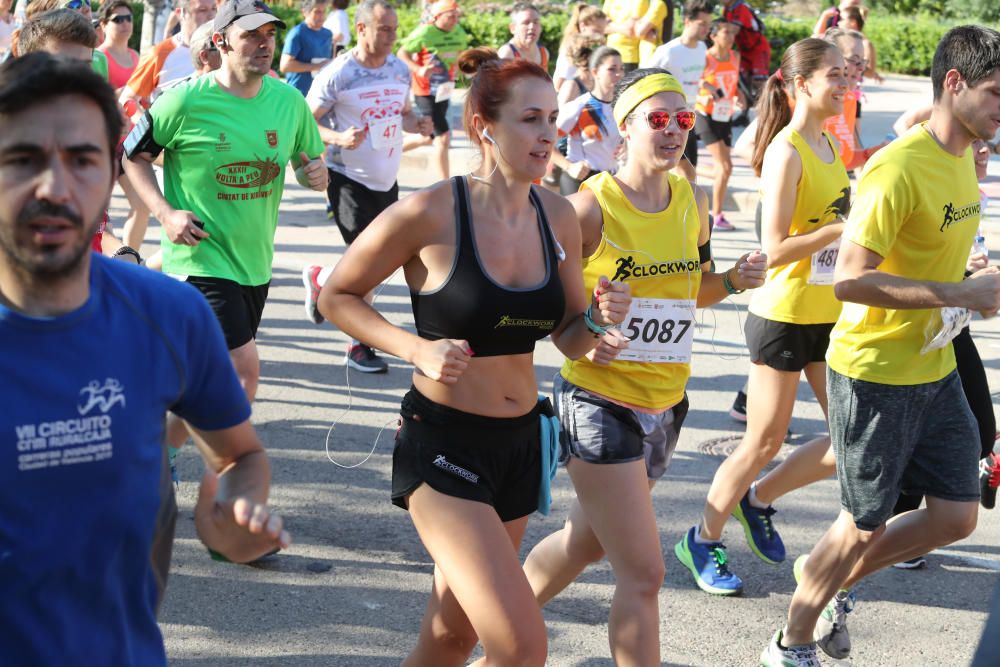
x=977, y=392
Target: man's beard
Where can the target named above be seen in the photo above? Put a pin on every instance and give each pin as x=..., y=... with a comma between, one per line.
x=48, y=266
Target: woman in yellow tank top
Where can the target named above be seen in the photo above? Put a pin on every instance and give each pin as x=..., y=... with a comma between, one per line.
x=621, y=407
x=805, y=195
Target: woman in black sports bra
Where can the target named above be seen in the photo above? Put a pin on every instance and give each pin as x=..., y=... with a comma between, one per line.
x=486, y=282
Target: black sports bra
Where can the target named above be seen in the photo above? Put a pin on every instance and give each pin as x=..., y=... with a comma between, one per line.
x=494, y=319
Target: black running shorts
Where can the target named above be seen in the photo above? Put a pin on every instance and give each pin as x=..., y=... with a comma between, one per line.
x=436, y=111
x=354, y=205
x=712, y=131
x=784, y=346
x=237, y=307
x=491, y=460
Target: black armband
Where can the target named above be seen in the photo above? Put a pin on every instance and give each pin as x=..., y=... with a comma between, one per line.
x=140, y=139
x=705, y=252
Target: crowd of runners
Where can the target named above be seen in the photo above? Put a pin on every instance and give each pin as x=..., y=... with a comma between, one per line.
x=584, y=223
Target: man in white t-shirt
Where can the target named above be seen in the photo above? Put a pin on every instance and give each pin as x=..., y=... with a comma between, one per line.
x=338, y=23
x=684, y=57
x=362, y=103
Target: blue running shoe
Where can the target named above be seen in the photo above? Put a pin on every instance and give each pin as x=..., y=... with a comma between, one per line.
x=763, y=539
x=708, y=564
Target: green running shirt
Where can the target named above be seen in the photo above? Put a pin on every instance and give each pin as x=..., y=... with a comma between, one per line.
x=225, y=160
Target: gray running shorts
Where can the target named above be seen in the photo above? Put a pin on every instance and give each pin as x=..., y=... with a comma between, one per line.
x=596, y=430
x=919, y=439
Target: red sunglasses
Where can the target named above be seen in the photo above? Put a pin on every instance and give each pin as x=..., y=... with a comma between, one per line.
x=658, y=120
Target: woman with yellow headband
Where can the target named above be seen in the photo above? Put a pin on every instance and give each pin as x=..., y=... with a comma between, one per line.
x=621, y=407
x=805, y=194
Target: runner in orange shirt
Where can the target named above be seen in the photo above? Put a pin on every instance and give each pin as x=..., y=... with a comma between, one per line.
x=717, y=100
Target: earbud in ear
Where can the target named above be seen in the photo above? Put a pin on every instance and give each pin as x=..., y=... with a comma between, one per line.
x=487, y=137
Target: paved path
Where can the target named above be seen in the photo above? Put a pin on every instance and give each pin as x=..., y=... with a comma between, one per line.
x=351, y=590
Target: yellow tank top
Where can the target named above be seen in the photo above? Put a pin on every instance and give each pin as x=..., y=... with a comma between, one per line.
x=802, y=292
x=657, y=255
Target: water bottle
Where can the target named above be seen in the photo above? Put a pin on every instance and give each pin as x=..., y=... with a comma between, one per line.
x=979, y=246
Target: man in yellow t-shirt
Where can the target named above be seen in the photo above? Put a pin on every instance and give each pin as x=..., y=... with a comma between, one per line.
x=898, y=417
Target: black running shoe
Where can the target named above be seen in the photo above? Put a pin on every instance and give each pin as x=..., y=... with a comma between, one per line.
x=364, y=360
x=739, y=409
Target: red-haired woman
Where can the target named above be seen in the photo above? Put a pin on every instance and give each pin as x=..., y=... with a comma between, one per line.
x=485, y=284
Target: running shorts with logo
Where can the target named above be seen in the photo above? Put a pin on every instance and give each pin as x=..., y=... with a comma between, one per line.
x=362, y=180
x=657, y=255
x=491, y=460
x=597, y=430
x=783, y=346
x=923, y=227
x=801, y=292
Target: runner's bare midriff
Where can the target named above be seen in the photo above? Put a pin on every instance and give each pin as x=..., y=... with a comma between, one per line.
x=501, y=386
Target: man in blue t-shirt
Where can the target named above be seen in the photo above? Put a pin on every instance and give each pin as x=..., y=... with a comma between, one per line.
x=308, y=46
x=82, y=432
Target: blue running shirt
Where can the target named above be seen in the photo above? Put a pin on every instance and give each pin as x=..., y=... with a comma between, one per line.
x=81, y=438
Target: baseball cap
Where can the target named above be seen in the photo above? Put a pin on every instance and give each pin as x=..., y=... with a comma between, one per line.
x=443, y=6
x=247, y=14
x=200, y=40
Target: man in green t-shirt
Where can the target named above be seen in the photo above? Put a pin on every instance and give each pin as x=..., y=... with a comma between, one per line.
x=226, y=138
x=430, y=51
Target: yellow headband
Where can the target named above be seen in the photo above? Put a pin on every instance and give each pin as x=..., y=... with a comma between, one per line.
x=642, y=89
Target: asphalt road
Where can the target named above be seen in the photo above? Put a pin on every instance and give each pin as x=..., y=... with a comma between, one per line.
x=352, y=588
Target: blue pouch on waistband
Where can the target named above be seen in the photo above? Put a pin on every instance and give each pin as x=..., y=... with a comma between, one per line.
x=549, y=425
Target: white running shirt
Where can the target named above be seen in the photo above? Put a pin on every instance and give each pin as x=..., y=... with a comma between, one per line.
x=685, y=63
x=368, y=98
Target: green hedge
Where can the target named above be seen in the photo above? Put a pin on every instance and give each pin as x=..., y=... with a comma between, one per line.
x=904, y=44
x=968, y=11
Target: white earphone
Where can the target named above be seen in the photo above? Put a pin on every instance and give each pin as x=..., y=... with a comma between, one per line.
x=487, y=137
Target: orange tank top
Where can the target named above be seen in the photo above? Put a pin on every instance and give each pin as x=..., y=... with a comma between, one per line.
x=842, y=129
x=724, y=74
x=543, y=54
